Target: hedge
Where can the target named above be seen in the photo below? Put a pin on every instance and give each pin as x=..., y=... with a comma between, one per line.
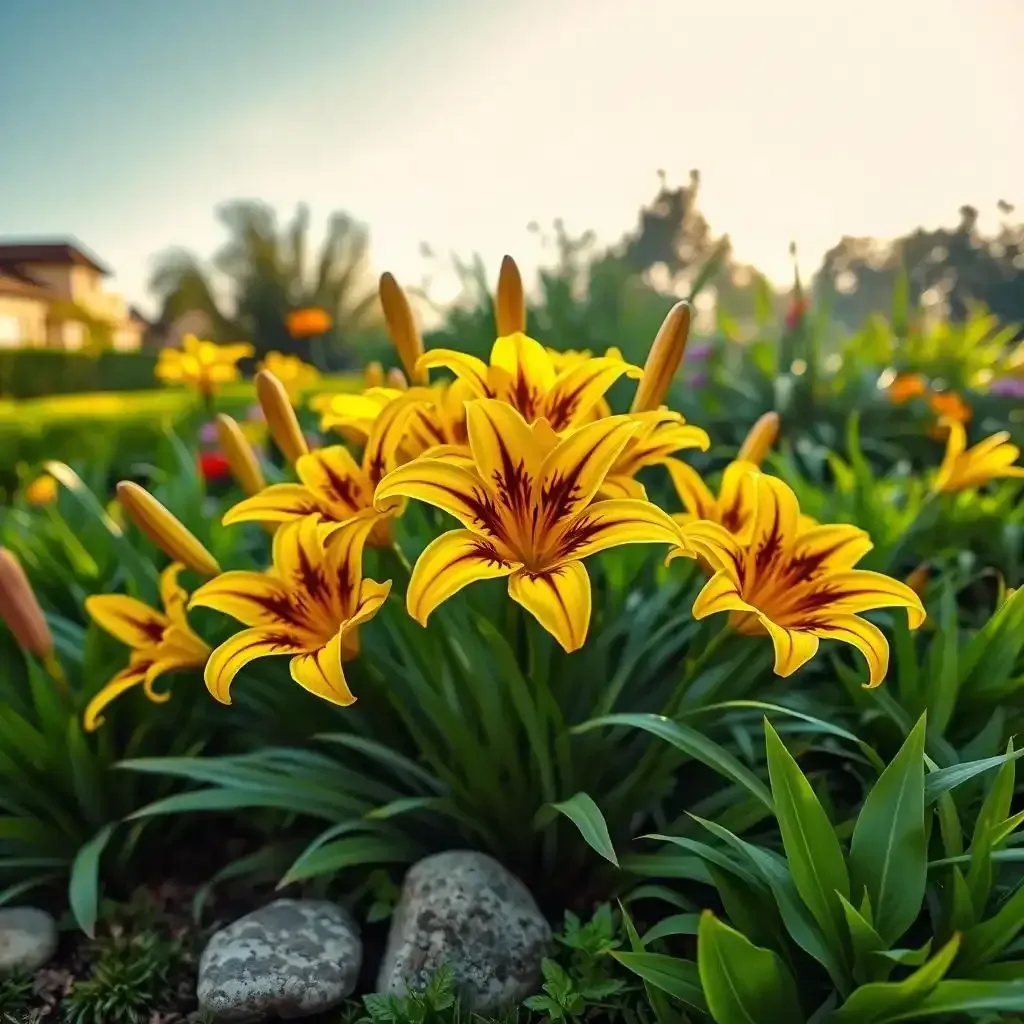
x=34, y=373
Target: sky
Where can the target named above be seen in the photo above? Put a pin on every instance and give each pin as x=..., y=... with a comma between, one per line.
x=124, y=123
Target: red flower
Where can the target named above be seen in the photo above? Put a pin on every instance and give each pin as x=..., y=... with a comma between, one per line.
x=213, y=466
x=795, y=313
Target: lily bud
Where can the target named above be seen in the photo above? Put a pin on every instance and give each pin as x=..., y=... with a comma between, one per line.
x=918, y=579
x=405, y=335
x=664, y=358
x=165, y=530
x=509, y=305
x=758, y=442
x=20, y=609
x=282, y=422
x=396, y=379
x=245, y=467
x=373, y=375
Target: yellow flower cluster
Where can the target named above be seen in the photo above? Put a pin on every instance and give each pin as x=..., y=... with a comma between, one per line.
x=525, y=454
x=201, y=365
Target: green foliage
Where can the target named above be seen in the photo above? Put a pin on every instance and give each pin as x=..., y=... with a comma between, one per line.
x=35, y=372
x=130, y=980
x=15, y=993
x=799, y=925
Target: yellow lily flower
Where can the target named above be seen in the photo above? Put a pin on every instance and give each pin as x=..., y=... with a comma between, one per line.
x=733, y=507
x=437, y=426
x=964, y=468
x=161, y=641
x=332, y=486
x=661, y=432
x=525, y=506
x=201, y=365
x=308, y=606
x=798, y=586
x=522, y=374
x=568, y=359
x=291, y=371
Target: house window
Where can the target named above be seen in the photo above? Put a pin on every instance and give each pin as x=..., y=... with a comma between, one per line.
x=10, y=332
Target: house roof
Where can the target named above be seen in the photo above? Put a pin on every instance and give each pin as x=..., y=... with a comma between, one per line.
x=14, y=283
x=20, y=252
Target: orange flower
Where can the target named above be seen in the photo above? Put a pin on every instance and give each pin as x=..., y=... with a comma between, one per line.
x=307, y=323
x=949, y=405
x=906, y=386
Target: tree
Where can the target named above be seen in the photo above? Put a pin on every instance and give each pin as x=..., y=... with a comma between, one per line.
x=262, y=274
x=958, y=268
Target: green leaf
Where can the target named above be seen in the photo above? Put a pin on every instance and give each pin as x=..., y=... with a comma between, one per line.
x=985, y=941
x=674, y=924
x=679, y=978
x=866, y=942
x=581, y=810
x=691, y=742
x=664, y=1012
x=953, y=996
x=84, y=883
x=743, y=983
x=888, y=852
x=349, y=852
x=885, y=1001
x=944, y=779
x=812, y=847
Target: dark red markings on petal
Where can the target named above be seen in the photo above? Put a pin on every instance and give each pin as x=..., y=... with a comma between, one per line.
x=770, y=546
x=513, y=485
x=525, y=397
x=805, y=568
x=343, y=489
x=153, y=630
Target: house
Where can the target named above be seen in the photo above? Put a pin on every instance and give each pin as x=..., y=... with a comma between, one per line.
x=52, y=296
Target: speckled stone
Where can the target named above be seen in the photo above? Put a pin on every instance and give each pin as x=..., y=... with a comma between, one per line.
x=28, y=938
x=463, y=909
x=291, y=958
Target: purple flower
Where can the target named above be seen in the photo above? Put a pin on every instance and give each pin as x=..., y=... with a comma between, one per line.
x=699, y=353
x=697, y=380
x=208, y=433
x=1008, y=387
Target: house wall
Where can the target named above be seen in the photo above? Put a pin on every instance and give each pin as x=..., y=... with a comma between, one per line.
x=22, y=322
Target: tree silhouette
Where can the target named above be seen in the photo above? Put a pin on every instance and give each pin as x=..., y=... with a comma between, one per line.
x=262, y=273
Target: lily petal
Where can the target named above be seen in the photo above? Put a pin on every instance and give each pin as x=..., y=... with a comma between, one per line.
x=521, y=373
x=173, y=596
x=335, y=479
x=607, y=524
x=719, y=594
x=320, y=672
x=278, y=503
x=237, y=651
x=468, y=368
x=793, y=647
x=454, y=489
x=697, y=499
x=129, y=620
x=737, y=500
x=559, y=599
x=833, y=547
x=298, y=554
x=343, y=563
x=252, y=598
x=573, y=472
x=447, y=564
x=860, y=590
x=865, y=636
x=575, y=392
x=128, y=677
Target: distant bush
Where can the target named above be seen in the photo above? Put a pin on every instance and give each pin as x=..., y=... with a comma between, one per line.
x=33, y=373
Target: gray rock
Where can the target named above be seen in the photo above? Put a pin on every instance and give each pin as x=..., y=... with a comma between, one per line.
x=465, y=910
x=291, y=958
x=28, y=938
